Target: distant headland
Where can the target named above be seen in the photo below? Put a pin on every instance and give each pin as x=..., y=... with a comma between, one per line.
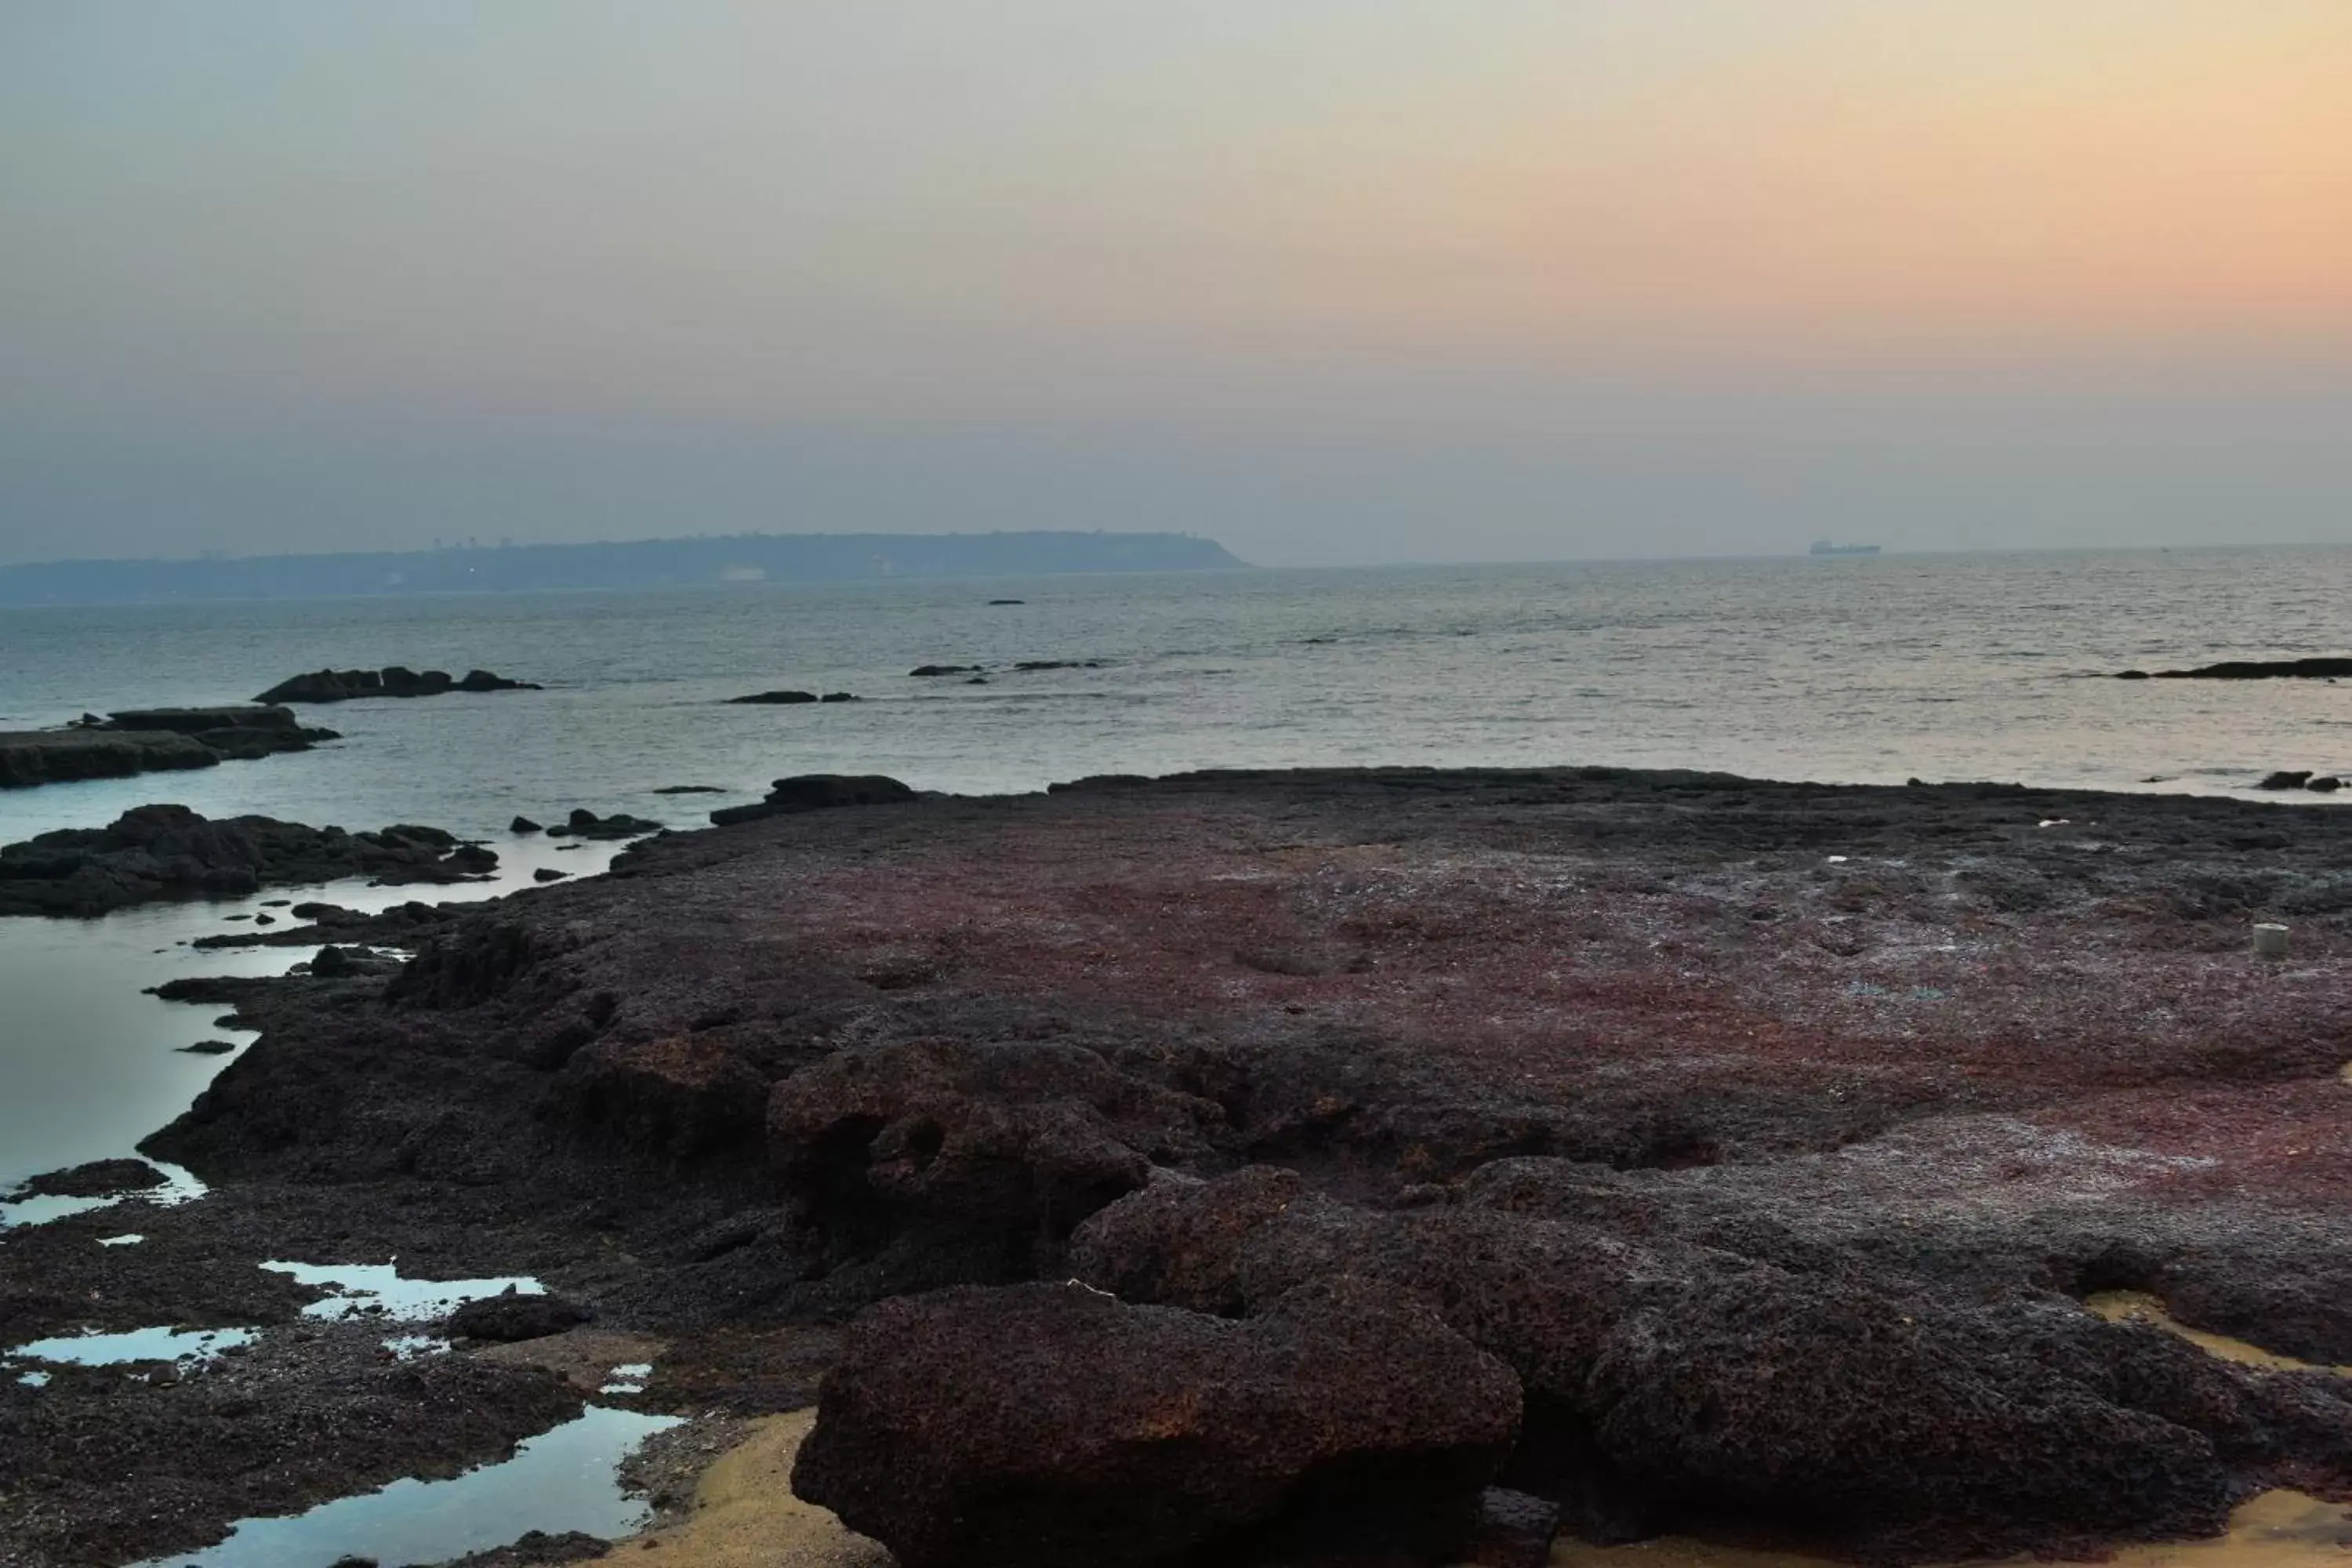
x=638, y=563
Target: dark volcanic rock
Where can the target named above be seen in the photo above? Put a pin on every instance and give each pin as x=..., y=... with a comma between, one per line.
x=1036, y=664
x=585, y=824
x=523, y=824
x=689, y=789
x=817, y=792
x=1515, y=1530
x=1769, y=1176
x=512, y=1317
x=1667, y=1381
x=99, y=1179
x=2264, y=670
x=534, y=1547
x=549, y=874
x=151, y=739
x=209, y=1049
x=927, y=670
x=839, y=697
x=2327, y=784
x=777, y=698
x=1052, y=1426
x=953, y=1161
x=2286, y=780
x=154, y=852
x=392, y=680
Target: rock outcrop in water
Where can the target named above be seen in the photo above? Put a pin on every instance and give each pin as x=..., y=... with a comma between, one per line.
x=151, y=739
x=1765, y=1138
x=2252, y=670
x=817, y=792
x=154, y=852
x=392, y=680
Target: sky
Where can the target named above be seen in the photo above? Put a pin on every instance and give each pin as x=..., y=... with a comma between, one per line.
x=1329, y=280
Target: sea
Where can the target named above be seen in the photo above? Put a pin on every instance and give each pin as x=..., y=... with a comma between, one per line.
x=1841, y=669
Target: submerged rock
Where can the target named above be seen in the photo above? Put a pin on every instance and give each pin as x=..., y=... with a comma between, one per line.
x=927, y=670
x=2286, y=780
x=1053, y=1427
x=392, y=680
x=585, y=824
x=776, y=698
x=817, y=792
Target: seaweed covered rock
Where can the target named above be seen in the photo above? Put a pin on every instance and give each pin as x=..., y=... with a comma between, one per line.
x=1044, y=1426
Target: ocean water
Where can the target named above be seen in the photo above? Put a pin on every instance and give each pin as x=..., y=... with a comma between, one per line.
x=1869, y=670
x=1872, y=670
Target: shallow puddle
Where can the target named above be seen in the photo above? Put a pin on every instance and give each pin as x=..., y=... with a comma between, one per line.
x=2136, y=1306
x=137, y=1345
x=378, y=1290
x=562, y=1480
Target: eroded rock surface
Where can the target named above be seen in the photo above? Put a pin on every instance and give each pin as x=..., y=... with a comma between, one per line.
x=1052, y=1426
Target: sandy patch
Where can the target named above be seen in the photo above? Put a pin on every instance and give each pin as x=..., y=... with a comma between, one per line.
x=744, y=1514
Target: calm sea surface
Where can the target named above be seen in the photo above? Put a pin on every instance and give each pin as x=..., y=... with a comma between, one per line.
x=1943, y=667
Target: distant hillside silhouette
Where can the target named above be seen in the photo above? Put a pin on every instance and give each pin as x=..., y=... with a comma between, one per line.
x=641, y=564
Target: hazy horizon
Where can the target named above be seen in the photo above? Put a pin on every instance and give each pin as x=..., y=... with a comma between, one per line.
x=1349, y=283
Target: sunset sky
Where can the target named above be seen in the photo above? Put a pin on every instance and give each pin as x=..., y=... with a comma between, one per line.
x=1329, y=280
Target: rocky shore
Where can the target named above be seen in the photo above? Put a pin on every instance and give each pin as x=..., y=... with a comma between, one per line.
x=151, y=739
x=1399, y=1166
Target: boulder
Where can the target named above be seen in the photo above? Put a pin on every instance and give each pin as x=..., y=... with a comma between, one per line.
x=209, y=1049
x=1054, y=1427
x=817, y=792
x=511, y=1316
x=927, y=670
x=2286, y=780
x=778, y=698
x=1036, y=664
x=2326, y=783
x=838, y=697
x=549, y=874
x=523, y=824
